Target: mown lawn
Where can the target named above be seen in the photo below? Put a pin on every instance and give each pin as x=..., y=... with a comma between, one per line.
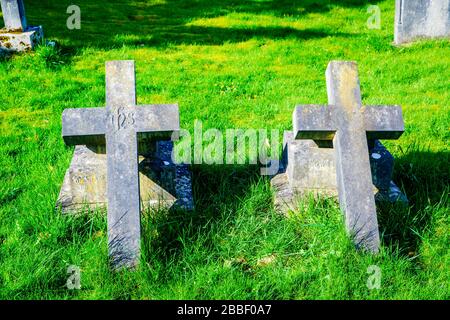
x=230, y=64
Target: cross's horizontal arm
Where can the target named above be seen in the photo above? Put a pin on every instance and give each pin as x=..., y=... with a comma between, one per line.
x=383, y=122
x=157, y=121
x=314, y=122
x=84, y=126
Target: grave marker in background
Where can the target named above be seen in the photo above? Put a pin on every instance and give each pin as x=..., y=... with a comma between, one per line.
x=17, y=35
x=416, y=19
x=14, y=15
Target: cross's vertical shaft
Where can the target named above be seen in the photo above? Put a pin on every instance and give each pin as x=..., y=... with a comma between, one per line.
x=356, y=198
x=122, y=172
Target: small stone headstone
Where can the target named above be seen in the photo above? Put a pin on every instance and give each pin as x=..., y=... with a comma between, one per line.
x=350, y=160
x=162, y=183
x=415, y=19
x=14, y=15
x=122, y=126
x=17, y=35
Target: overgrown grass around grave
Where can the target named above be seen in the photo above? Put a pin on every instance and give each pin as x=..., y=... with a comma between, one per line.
x=231, y=64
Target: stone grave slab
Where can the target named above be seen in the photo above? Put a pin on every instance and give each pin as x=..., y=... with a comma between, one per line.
x=308, y=169
x=162, y=183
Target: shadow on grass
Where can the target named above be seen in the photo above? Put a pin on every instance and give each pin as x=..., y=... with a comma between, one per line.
x=158, y=23
x=217, y=193
x=424, y=176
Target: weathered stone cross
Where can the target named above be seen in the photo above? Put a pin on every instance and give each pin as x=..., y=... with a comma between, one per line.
x=14, y=15
x=120, y=125
x=348, y=124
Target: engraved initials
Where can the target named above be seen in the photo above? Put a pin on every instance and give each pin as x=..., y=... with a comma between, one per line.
x=122, y=119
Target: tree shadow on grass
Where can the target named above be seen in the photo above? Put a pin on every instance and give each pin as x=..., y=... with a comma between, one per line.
x=424, y=176
x=115, y=23
x=219, y=36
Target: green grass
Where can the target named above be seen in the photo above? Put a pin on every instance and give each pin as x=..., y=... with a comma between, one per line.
x=231, y=64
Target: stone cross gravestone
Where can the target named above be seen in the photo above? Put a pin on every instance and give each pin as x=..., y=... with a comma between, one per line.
x=17, y=35
x=421, y=19
x=309, y=167
x=120, y=126
x=347, y=126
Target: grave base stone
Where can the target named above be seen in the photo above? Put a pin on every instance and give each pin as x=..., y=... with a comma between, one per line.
x=19, y=41
x=309, y=167
x=163, y=184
